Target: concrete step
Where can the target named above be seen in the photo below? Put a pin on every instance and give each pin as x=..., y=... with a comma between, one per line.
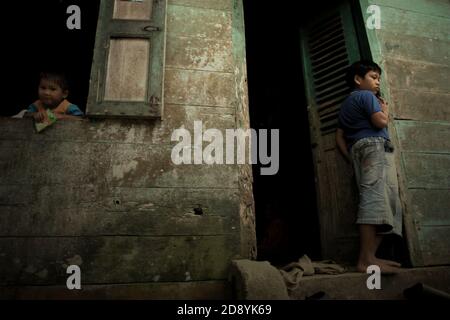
x=259, y=280
x=353, y=286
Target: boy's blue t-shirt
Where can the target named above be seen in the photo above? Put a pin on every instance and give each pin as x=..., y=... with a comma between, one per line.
x=72, y=110
x=354, y=117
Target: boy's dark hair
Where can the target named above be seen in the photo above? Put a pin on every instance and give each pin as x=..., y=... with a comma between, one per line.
x=360, y=68
x=58, y=77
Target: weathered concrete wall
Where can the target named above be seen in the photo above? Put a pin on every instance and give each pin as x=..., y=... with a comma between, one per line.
x=413, y=45
x=105, y=194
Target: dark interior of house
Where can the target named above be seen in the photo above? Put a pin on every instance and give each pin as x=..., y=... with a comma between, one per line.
x=41, y=41
x=286, y=212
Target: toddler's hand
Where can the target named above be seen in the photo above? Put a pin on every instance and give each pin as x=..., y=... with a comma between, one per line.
x=39, y=116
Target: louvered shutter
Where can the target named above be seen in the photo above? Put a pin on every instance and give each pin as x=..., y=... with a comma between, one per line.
x=329, y=46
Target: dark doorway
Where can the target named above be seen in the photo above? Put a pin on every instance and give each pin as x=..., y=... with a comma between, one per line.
x=37, y=39
x=286, y=211
x=287, y=223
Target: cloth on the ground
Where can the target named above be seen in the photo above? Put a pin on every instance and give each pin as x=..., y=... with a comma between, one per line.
x=294, y=272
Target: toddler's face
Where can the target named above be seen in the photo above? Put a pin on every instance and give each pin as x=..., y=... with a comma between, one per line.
x=50, y=93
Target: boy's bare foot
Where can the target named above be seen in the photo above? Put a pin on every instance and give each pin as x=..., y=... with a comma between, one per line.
x=384, y=268
x=389, y=263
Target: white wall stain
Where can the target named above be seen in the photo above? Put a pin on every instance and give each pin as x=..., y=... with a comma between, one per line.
x=120, y=170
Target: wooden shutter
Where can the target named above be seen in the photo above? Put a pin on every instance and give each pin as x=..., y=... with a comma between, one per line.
x=127, y=76
x=331, y=46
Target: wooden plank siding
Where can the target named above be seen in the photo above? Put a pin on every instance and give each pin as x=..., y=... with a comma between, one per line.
x=421, y=136
x=413, y=47
x=438, y=8
x=95, y=210
x=115, y=259
x=241, y=105
x=196, y=290
x=105, y=193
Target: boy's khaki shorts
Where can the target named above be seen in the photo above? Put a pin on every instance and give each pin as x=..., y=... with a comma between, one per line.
x=376, y=176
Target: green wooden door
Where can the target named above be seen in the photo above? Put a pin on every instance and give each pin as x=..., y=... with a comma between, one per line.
x=329, y=46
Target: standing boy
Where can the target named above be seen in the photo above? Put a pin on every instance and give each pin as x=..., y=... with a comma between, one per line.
x=363, y=139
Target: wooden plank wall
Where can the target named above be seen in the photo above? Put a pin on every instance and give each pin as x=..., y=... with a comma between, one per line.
x=246, y=204
x=105, y=194
x=414, y=47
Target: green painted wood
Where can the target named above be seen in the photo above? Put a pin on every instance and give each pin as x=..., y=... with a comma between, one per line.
x=427, y=171
x=430, y=207
x=410, y=104
x=199, y=54
x=199, y=23
x=225, y=5
x=198, y=88
x=439, y=8
x=158, y=57
x=435, y=244
x=414, y=48
x=108, y=29
x=420, y=136
x=374, y=44
x=415, y=24
x=423, y=77
x=116, y=259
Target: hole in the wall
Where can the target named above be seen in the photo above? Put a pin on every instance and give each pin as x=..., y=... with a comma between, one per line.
x=117, y=202
x=198, y=211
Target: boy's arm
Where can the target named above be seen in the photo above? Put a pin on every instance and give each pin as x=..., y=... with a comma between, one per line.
x=381, y=119
x=340, y=141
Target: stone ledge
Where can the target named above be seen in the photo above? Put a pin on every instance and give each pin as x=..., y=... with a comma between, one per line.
x=352, y=286
x=201, y=290
x=257, y=280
